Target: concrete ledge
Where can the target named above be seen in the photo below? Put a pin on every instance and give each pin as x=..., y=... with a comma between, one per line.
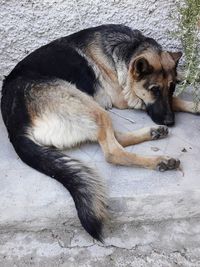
x=153, y=215
x=30, y=200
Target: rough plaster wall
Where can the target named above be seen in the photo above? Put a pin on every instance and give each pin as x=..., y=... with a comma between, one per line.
x=26, y=25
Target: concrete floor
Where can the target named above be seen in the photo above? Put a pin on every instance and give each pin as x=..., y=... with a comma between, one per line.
x=149, y=209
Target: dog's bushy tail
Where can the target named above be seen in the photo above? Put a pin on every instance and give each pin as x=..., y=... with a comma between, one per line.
x=83, y=183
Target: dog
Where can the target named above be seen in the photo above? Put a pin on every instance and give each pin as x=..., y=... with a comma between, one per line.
x=57, y=98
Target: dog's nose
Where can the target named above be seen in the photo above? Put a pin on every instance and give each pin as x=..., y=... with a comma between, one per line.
x=169, y=122
x=169, y=119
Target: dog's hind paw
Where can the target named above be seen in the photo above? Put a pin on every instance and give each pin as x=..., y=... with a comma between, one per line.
x=168, y=163
x=158, y=132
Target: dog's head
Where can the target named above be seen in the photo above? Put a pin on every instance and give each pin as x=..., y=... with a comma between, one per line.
x=153, y=75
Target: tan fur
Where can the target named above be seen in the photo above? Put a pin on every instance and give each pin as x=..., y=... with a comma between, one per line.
x=141, y=92
x=107, y=76
x=114, y=152
x=166, y=61
x=185, y=106
x=57, y=122
x=133, y=138
x=153, y=58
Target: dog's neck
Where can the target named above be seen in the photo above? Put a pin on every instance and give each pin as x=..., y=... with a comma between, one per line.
x=114, y=77
x=121, y=72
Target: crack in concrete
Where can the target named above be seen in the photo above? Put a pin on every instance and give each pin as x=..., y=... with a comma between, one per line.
x=137, y=252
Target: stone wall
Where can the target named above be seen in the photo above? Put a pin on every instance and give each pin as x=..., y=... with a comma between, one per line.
x=28, y=24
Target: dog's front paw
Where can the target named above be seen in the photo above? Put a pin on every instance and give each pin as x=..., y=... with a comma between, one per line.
x=167, y=163
x=158, y=132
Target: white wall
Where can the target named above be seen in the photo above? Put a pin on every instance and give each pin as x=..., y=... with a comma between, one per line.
x=28, y=24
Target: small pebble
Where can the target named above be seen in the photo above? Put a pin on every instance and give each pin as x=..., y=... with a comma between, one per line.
x=184, y=150
x=155, y=148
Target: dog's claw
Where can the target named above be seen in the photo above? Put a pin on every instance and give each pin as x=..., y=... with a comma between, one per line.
x=168, y=164
x=159, y=132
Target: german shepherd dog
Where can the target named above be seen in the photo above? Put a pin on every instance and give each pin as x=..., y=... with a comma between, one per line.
x=57, y=97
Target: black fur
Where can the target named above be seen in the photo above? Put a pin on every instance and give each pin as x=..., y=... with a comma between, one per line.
x=57, y=165
x=160, y=112
x=57, y=60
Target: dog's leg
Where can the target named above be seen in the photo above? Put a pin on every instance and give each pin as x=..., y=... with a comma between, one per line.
x=185, y=106
x=141, y=135
x=115, y=153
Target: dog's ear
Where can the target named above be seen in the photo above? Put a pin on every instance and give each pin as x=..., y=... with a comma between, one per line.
x=141, y=67
x=176, y=56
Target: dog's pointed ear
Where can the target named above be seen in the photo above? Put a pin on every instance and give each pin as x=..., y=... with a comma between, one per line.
x=141, y=67
x=176, y=56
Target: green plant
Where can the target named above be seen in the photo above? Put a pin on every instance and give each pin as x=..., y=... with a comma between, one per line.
x=188, y=18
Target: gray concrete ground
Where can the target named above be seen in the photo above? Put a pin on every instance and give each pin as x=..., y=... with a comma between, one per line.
x=154, y=217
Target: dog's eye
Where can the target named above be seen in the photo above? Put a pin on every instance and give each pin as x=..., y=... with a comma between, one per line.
x=156, y=90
